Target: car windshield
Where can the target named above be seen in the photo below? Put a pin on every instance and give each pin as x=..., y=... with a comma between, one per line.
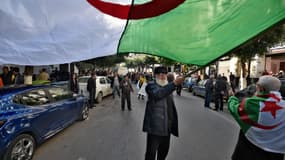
x=58, y=93
x=83, y=79
x=32, y=98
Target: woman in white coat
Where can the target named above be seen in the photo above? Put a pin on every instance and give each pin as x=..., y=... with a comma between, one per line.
x=142, y=92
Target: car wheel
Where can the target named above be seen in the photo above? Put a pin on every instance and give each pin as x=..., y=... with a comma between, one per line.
x=194, y=94
x=99, y=97
x=84, y=113
x=22, y=147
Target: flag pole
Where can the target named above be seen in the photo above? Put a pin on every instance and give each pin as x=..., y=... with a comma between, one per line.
x=196, y=70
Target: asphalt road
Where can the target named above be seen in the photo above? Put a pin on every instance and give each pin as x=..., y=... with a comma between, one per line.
x=112, y=134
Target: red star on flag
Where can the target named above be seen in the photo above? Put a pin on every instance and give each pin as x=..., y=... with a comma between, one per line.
x=271, y=107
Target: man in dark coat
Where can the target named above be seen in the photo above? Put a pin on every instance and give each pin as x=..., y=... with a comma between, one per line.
x=126, y=88
x=74, y=86
x=115, y=84
x=91, y=88
x=209, y=86
x=160, y=118
x=19, y=79
x=232, y=81
x=220, y=91
x=6, y=76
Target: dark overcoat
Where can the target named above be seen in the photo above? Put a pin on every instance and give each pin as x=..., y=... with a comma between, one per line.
x=156, y=113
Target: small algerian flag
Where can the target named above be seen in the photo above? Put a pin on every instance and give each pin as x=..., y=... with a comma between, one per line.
x=262, y=119
x=39, y=32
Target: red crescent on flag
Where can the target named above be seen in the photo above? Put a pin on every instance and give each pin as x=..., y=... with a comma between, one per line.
x=136, y=11
x=245, y=118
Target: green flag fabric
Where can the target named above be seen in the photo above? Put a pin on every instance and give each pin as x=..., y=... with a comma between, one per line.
x=200, y=31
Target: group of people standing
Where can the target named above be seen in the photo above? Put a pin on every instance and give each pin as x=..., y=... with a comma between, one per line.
x=11, y=77
x=216, y=90
x=122, y=87
x=161, y=119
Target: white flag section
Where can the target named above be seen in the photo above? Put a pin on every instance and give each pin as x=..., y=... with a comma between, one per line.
x=43, y=32
x=271, y=140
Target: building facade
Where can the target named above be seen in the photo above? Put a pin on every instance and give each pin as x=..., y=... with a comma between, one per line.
x=275, y=60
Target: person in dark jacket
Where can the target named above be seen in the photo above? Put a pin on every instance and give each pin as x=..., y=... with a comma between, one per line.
x=220, y=91
x=19, y=79
x=6, y=76
x=209, y=86
x=160, y=119
x=179, y=88
x=232, y=81
x=126, y=88
x=91, y=88
x=115, y=84
x=74, y=86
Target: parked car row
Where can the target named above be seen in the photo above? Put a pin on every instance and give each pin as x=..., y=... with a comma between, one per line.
x=31, y=114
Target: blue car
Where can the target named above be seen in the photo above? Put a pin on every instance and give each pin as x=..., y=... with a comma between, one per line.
x=199, y=89
x=31, y=114
x=189, y=82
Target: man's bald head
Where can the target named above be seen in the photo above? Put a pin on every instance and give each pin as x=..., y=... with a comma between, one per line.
x=269, y=83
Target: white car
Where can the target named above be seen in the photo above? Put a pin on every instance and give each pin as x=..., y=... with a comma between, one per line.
x=103, y=87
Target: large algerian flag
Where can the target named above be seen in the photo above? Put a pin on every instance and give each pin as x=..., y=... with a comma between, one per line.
x=262, y=120
x=39, y=32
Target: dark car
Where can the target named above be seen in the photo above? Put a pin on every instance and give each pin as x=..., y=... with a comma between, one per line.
x=31, y=114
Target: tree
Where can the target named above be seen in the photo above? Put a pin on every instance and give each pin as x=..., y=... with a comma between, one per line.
x=108, y=61
x=134, y=63
x=130, y=64
x=258, y=46
x=150, y=61
x=166, y=62
x=84, y=66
